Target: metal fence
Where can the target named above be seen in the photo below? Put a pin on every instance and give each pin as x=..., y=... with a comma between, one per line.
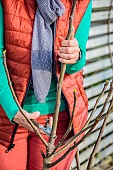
x=96, y=71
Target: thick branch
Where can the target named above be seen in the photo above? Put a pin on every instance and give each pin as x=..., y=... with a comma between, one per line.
x=57, y=107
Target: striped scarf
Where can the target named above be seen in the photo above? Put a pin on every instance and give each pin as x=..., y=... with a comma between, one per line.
x=41, y=54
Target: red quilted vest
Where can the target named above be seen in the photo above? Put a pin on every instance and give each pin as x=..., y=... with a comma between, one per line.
x=18, y=20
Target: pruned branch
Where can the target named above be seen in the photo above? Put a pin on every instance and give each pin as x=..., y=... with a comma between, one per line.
x=92, y=127
x=59, y=86
x=85, y=129
x=85, y=136
x=69, y=127
x=99, y=137
x=96, y=104
x=77, y=160
x=71, y=121
x=67, y=152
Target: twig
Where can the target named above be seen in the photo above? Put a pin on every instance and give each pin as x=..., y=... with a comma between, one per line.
x=90, y=130
x=57, y=106
x=69, y=127
x=18, y=104
x=96, y=104
x=88, y=127
x=71, y=120
x=67, y=152
x=77, y=160
x=99, y=138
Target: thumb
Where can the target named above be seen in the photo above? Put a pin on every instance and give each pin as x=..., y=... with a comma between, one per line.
x=50, y=121
x=72, y=33
x=34, y=115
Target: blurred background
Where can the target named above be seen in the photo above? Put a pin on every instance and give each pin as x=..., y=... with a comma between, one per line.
x=98, y=69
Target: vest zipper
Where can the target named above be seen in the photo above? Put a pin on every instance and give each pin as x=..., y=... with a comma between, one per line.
x=11, y=146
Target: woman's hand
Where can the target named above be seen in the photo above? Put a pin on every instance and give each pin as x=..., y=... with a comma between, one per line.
x=19, y=119
x=69, y=51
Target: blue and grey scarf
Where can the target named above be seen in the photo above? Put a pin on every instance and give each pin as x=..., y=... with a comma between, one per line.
x=41, y=54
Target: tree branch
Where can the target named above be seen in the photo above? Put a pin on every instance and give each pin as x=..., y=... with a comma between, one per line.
x=99, y=137
x=85, y=129
x=92, y=127
x=96, y=104
x=57, y=106
x=98, y=118
x=16, y=100
x=69, y=127
x=77, y=160
x=68, y=151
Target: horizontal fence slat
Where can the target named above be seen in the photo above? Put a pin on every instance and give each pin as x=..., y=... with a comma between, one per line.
x=96, y=90
x=102, y=155
x=100, y=29
x=103, y=15
x=99, y=41
x=98, y=52
x=101, y=3
x=88, y=81
x=89, y=149
x=98, y=65
x=92, y=101
x=93, y=137
x=98, y=111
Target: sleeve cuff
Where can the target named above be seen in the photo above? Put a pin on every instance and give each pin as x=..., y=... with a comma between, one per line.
x=73, y=68
x=8, y=103
x=1, y=50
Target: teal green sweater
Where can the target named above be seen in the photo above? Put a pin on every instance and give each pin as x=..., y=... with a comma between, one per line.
x=6, y=98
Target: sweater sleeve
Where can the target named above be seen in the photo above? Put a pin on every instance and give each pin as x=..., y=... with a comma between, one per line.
x=82, y=37
x=6, y=98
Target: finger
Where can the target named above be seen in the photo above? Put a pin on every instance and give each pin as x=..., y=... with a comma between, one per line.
x=50, y=121
x=26, y=125
x=34, y=115
x=69, y=43
x=68, y=61
x=67, y=56
x=41, y=131
x=69, y=50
